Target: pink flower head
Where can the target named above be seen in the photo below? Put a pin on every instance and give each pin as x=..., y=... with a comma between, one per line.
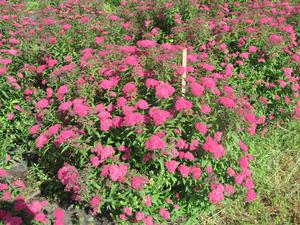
x=139, y=216
x=34, y=129
x=275, y=39
x=183, y=104
x=155, y=143
x=131, y=61
x=243, y=162
x=129, y=88
x=171, y=165
x=184, y=170
x=250, y=196
x=132, y=119
x=61, y=91
x=146, y=43
x=3, y=173
x=105, y=152
x=201, y=128
x=205, y=109
x=212, y=146
x=43, y=103
x=68, y=176
x=252, y=49
x=137, y=182
x=196, y=172
x=95, y=202
x=54, y=129
x=159, y=116
x=148, y=201
x=243, y=146
x=196, y=89
x=229, y=189
x=58, y=213
x=141, y=104
x=227, y=102
x=216, y=195
x=80, y=109
x=207, y=82
x=36, y=206
x=148, y=220
x=64, y=136
x=164, y=90
x=164, y=213
x=10, y=116
x=41, y=140
x=40, y=217
x=207, y=67
x=65, y=106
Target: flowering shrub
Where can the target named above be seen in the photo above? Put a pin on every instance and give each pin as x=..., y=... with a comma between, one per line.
x=103, y=85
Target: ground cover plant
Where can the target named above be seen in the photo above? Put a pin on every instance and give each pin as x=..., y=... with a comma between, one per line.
x=92, y=106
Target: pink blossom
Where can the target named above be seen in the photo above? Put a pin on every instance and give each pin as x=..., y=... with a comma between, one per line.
x=171, y=165
x=148, y=220
x=155, y=143
x=54, y=129
x=68, y=176
x=275, y=39
x=34, y=129
x=137, y=182
x=205, y=109
x=95, y=161
x=139, y=216
x=229, y=189
x=10, y=116
x=207, y=67
x=201, y=128
x=184, y=170
x=146, y=43
x=95, y=202
x=61, y=91
x=250, y=196
x=41, y=140
x=132, y=119
x=159, y=116
x=40, y=217
x=58, y=213
x=141, y=104
x=148, y=201
x=163, y=90
x=131, y=61
x=196, y=172
x=189, y=156
x=129, y=88
x=164, y=213
x=105, y=152
x=114, y=172
x=252, y=49
x=36, y=206
x=227, y=102
x=216, y=195
x=182, y=104
x=43, y=103
x=80, y=109
x=64, y=136
x=212, y=146
x=196, y=89
x=3, y=173
x=243, y=146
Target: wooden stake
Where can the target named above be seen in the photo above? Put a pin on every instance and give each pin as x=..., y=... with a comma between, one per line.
x=183, y=83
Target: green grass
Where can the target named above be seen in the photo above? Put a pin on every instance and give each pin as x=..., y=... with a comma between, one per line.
x=276, y=174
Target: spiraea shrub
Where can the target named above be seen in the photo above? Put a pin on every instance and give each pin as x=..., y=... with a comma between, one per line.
x=94, y=90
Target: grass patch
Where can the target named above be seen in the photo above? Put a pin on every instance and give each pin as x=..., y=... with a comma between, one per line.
x=276, y=174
